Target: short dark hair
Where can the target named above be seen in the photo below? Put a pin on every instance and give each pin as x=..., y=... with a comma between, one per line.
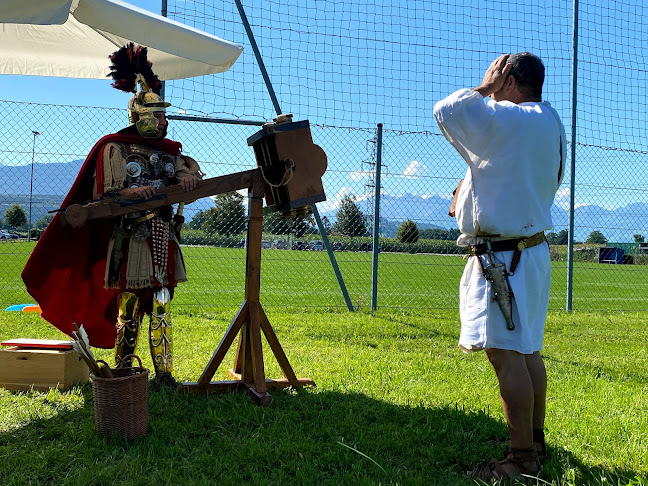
x=529, y=72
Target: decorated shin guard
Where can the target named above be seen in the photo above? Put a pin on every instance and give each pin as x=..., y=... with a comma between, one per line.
x=128, y=325
x=160, y=337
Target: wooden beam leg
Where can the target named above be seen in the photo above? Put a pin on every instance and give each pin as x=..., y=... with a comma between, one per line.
x=257, y=349
x=224, y=345
x=238, y=356
x=245, y=357
x=277, y=349
x=262, y=399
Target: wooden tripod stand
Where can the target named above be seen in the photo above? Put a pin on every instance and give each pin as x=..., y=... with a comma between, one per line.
x=248, y=372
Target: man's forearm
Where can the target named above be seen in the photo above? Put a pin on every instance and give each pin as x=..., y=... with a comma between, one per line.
x=484, y=90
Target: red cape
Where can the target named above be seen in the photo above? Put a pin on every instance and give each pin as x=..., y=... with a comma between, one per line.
x=65, y=272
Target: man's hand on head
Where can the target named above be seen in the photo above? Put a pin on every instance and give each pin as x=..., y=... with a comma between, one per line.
x=495, y=76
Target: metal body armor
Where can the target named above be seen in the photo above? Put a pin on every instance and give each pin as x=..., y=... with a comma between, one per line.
x=148, y=167
x=145, y=166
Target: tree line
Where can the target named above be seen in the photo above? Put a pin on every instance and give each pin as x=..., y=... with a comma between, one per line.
x=595, y=238
x=227, y=217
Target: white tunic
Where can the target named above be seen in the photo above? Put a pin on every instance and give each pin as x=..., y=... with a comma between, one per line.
x=514, y=154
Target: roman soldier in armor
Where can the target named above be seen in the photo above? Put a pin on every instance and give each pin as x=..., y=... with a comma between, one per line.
x=114, y=272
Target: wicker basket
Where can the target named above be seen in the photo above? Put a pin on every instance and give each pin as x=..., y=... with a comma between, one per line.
x=121, y=402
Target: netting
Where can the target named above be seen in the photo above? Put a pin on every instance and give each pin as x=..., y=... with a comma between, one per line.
x=360, y=63
x=348, y=66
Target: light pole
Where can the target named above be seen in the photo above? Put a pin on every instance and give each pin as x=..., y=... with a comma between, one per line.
x=31, y=186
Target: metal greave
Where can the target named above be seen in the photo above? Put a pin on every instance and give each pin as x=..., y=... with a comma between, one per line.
x=160, y=335
x=128, y=325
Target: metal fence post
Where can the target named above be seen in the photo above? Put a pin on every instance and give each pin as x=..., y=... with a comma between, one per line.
x=259, y=59
x=376, y=225
x=572, y=178
x=277, y=108
x=334, y=264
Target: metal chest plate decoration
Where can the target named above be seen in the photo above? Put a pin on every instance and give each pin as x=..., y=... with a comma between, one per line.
x=148, y=167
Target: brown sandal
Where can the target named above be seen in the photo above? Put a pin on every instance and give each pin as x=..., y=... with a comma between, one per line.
x=517, y=464
x=539, y=443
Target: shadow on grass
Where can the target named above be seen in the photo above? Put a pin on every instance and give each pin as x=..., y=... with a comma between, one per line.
x=307, y=437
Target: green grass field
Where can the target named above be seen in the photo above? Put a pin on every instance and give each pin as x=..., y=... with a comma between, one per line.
x=396, y=403
x=306, y=279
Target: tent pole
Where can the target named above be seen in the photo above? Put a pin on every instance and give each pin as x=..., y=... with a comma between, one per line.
x=164, y=12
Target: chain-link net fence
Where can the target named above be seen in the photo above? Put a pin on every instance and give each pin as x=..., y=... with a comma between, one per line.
x=348, y=67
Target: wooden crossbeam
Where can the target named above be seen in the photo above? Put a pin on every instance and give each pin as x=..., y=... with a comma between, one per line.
x=112, y=207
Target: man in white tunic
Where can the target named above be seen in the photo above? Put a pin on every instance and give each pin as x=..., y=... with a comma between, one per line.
x=514, y=146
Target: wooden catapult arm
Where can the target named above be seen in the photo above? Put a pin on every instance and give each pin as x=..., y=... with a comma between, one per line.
x=112, y=207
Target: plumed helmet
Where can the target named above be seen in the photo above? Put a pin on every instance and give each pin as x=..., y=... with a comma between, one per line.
x=129, y=68
x=145, y=103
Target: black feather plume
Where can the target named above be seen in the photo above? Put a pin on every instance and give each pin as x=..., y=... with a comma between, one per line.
x=129, y=61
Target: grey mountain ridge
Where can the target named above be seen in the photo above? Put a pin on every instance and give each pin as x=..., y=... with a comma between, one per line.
x=52, y=181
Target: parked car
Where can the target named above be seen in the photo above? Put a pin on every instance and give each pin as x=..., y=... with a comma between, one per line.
x=337, y=246
x=316, y=245
x=368, y=247
x=299, y=245
x=8, y=235
x=279, y=244
x=240, y=244
x=265, y=244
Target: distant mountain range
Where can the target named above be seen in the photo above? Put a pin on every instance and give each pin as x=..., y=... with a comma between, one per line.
x=50, y=178
x=51, y=182
x=619, y=225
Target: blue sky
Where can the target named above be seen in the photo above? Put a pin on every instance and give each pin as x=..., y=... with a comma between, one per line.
x=366, y=62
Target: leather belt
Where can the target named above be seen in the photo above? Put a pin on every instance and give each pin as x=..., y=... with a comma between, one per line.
x=507, y=245
x=515, y=244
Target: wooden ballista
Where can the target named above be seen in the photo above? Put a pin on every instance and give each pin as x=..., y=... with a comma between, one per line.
x=114, y=206
x=289, y=176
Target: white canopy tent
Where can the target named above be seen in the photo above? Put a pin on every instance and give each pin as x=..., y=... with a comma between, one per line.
x=73, y=39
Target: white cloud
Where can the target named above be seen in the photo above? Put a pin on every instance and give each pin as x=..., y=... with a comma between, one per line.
x=333, y=203
x=413, y=170
x=562, y=200
x=361, y=175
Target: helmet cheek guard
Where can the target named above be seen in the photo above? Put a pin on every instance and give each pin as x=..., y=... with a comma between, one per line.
x=144, y=104
x=147, y=126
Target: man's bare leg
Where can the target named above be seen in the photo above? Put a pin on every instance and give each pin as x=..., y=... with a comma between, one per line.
x=538, y=373
x=517, y=393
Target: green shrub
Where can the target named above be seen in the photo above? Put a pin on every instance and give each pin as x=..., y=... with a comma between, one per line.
x=641, y=259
